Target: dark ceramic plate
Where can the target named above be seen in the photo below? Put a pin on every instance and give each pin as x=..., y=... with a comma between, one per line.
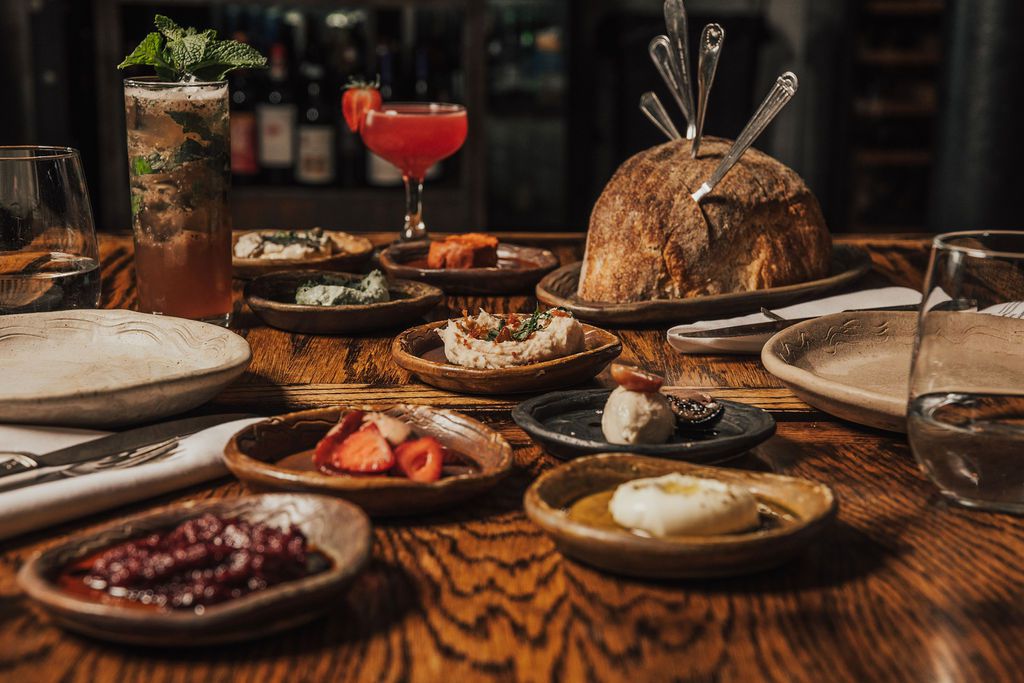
x=559, y=289
x=519, y=268
x=272, y=298
x=568, y=424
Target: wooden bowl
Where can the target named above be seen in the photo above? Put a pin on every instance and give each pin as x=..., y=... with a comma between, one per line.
x=519, y=268
x=813, y=506
x=420, y=351
x=335, y=528
x=272, y=298
x=256, y=453
x=355, y=253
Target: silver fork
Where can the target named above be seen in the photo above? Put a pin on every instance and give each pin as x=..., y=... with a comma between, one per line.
x=129, y=458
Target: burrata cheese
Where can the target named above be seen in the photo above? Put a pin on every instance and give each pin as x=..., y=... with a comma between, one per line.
x=632, y=417
x=677, y=504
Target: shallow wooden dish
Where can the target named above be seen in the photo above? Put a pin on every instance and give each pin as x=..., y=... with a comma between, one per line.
x=272, y=298
x=559, y=289
x=519, y=268
x=355, y=254
x=254, y=455
x=337, y=529
x=567, y=424
x=812, y=505
x=420, y=351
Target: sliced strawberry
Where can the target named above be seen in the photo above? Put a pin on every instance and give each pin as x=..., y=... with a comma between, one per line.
x=359, y=98
x=420, y=459
x=364, y=452
x=346, y=426
x=635, y=379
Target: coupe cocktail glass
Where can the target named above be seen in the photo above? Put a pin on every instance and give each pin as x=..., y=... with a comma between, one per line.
x=180, y=170
x=414, y=136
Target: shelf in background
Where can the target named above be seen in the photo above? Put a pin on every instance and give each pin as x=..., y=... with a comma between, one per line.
x=893, y=157
x=904, y=7
x=351, y=209
x=889, y=57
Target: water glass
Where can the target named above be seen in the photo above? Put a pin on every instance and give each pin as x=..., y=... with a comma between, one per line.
x=965, y=417
x=49, y=260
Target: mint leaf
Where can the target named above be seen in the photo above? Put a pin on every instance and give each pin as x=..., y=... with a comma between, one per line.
x=167, y=27
x=224, y=55
x=182, y=54
x=141, y=166
x=149, y=52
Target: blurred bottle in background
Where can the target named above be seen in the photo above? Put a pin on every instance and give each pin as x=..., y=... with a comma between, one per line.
x=276, y=114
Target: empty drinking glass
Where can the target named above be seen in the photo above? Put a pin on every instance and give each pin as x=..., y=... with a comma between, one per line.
x=966, y=411
x=48, y=255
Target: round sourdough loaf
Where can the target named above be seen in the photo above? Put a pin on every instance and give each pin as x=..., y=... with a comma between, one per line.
x=760, y=227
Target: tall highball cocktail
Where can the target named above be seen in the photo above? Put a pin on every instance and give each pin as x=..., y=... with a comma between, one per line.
x=180, y=170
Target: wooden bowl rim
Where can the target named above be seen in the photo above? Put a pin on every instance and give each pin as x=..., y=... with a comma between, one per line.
x=365, y=248
x=395, y=257
x=32, y=580
x=235, y=458
x=556, y=522
x=417, y=364
x=422, y=293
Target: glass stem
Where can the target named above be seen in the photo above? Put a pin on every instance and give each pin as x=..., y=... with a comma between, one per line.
x=414, y=228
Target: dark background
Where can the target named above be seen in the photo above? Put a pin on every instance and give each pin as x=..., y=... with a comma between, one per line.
x=904, y=120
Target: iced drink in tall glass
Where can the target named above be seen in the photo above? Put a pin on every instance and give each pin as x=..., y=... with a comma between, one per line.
x=180, y=172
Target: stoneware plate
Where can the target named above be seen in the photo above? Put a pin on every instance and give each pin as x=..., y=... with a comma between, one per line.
x=111, y=368
x=272, y=298
x=567, y=424
x=278, y=454
x=420, y=351
x=559, y=289
x=519, y=269
x=355, y=253
x=856, y=365
x=852, y=365
x=338, y=530
x=804, y=509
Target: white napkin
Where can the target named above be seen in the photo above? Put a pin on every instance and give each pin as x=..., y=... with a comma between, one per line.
x=751, y=344
x=197, y=458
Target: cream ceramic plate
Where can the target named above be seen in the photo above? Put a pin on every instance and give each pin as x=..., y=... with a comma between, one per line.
x=856, y=365
x=793, y=512
x=852, y=365
x=100, y=368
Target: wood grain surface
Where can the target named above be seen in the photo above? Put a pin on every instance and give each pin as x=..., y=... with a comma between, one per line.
x=903, y=588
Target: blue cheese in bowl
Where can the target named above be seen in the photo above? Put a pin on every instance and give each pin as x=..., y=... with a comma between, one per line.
x=329, y=291
x=677, y=504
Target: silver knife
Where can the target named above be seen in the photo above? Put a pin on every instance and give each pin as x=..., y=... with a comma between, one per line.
x=773, y=326
x=17, y=462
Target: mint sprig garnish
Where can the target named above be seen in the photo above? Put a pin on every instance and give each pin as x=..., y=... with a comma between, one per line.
x=184, y=54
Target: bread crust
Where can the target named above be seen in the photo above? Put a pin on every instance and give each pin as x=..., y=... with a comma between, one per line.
x=761, y=227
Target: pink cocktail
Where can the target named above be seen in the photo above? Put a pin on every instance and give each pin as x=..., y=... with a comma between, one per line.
x=414, y=136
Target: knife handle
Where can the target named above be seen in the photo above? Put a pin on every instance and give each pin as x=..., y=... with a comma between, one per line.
x=15, y=462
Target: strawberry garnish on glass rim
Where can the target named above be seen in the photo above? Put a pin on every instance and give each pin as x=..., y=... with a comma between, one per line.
x=360, y=97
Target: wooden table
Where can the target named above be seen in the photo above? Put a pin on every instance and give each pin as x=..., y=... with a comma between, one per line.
x=904, y=587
